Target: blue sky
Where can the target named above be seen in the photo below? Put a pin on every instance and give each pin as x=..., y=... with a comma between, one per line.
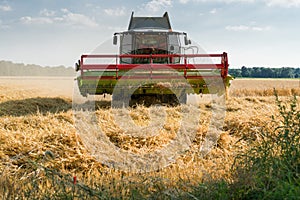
x=54, y=32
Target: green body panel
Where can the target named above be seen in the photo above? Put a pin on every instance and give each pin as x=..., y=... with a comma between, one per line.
x=146, y=85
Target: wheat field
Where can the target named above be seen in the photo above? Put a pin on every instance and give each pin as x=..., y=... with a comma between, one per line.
x=41, y=153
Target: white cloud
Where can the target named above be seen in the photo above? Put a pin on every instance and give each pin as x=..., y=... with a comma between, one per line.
x=5, y=8
x=247, y=28
x=237, y=28
x=183, y=1
x=257, y=28
x=35, y=20
x=213, y=11
x=283, y=3
x=66, y=17
x=76, y=19
x=236, y=1
x=221, y=1
x=64, y=10
x=156, y=5
x=116, y=11
x=47, y=13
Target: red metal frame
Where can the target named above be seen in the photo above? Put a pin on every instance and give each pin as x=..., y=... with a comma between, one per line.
x=223, y=65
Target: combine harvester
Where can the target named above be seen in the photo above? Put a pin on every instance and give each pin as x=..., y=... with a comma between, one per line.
x=154, y=62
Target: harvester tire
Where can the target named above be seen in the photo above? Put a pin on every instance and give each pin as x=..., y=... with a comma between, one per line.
x=183, y=98
x=119, y=100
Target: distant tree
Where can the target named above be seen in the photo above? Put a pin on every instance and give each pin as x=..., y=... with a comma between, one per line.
x=256, y=72
x=235, y=72
x=267, y=72
x=8, y=68
x=297, y=73
x=245, y=72
x=286, y=72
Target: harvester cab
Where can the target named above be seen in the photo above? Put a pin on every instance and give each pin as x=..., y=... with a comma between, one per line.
x=149, y=36
x=153, y=61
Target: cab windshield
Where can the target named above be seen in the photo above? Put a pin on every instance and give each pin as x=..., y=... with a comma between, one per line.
x=147, y=44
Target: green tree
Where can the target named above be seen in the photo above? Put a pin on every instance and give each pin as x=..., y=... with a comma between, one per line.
x=256, y=72
x=245, y=72
x=286, y=72
x=267, y=72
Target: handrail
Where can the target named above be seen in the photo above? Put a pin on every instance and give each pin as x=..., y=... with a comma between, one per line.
x=150, y=55
x=223, y=65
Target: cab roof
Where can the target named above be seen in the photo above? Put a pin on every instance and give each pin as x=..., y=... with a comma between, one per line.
x=162, y=23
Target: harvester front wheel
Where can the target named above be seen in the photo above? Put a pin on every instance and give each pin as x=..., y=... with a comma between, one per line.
x=120, y=100
x=182, y=98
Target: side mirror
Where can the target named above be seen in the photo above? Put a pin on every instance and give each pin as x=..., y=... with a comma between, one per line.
x=77, y=66
x=115, y=40
x=186, y=41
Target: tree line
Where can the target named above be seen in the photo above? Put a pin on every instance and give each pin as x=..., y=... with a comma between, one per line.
x=264, y=72
x=8, y=68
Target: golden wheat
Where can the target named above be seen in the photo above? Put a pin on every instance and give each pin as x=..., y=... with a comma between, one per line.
x=264, y=87
x=40, y=129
